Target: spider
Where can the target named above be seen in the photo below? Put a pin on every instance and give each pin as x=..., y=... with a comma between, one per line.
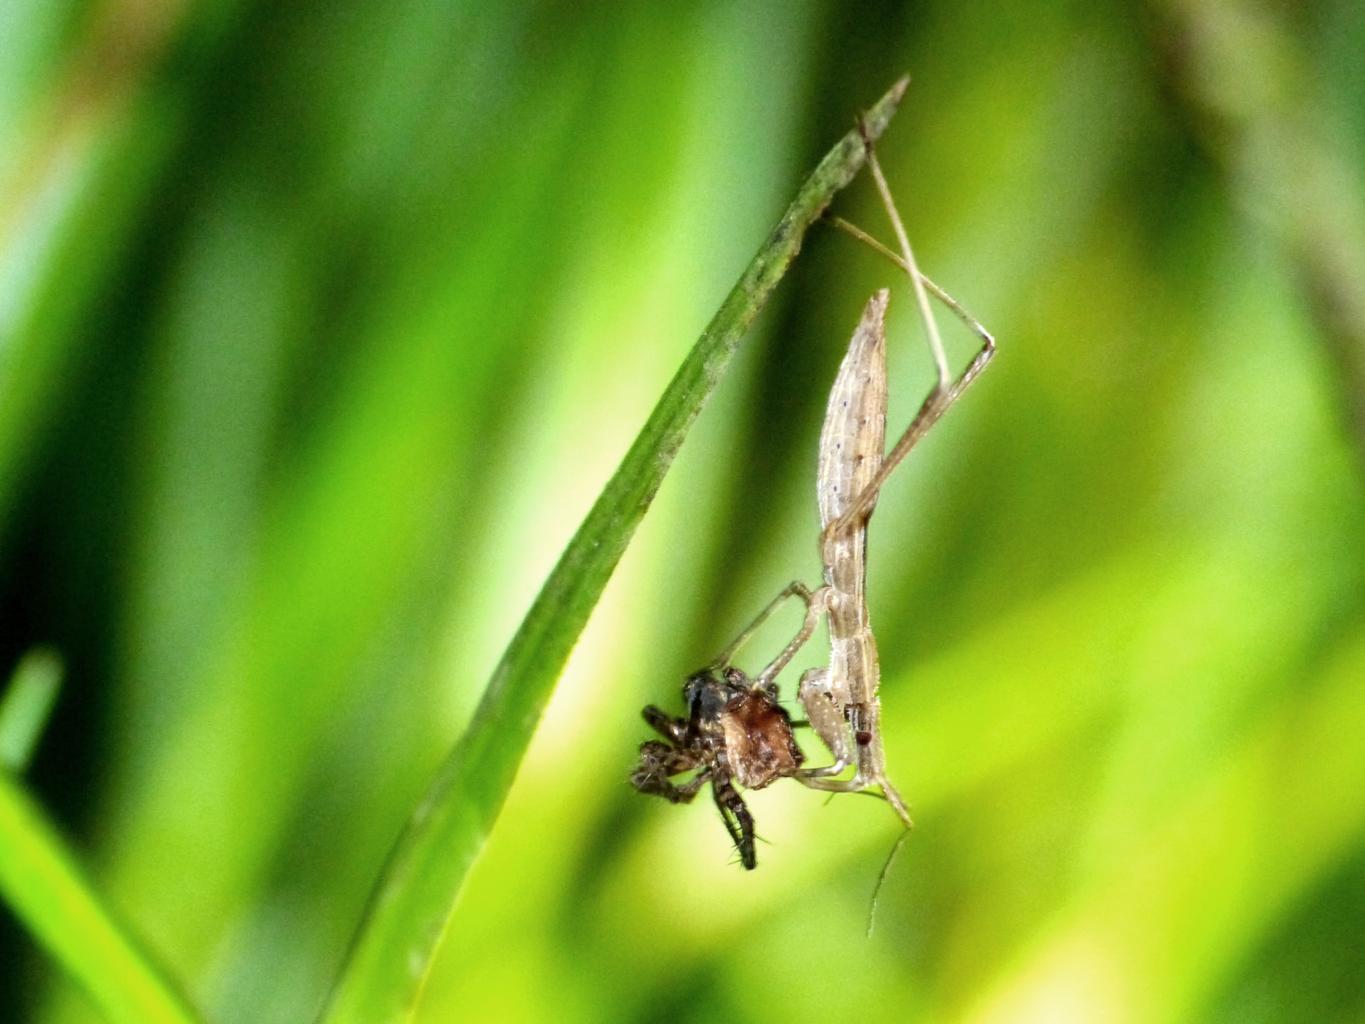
x=734, y=732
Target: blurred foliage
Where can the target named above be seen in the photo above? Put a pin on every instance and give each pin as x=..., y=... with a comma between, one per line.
x=323, y=325
x=25, y=706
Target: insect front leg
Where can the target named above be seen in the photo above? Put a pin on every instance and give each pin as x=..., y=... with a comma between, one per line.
x=826, y=717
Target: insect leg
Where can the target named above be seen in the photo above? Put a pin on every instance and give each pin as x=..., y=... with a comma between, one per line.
x=826, y=717
x=946, y=390
x=815, y=607
x=894, y=799
x=956, y=308
x=793, y=589
x=921, y=297
x=929, y=413
x=860, y=784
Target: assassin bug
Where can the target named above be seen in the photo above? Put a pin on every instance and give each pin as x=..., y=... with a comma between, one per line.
x=735, y=730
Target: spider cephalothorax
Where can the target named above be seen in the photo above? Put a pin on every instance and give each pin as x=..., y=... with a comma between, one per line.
x=734, y=732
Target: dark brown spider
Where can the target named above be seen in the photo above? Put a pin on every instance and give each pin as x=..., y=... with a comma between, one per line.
x=734, y=732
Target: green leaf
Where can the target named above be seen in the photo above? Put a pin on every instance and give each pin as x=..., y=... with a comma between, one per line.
x=25, y=707
x=394, y=947
x=42, y=882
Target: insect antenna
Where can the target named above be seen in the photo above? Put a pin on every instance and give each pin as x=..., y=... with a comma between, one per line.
x=881, y=879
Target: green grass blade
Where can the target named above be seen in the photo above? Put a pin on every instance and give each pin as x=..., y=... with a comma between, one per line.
x=42, y=883
x=25, y=707
x=47, y=890
x=396, y=942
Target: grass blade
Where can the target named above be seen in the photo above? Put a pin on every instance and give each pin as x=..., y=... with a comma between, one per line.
x=396, y=942
x=47, y=890
x=45, y=887
x=25, y=707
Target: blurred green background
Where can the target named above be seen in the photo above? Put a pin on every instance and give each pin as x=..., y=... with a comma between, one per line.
x=323, y=324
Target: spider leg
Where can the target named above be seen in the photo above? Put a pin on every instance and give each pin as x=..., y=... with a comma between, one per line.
x=666, y=725
x=659, y=761
x=738, y=821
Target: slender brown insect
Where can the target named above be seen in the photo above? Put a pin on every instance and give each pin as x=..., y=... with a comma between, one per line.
x=735, y=730
x=840, y=699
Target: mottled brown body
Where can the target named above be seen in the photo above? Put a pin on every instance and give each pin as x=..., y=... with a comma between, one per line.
x=759, y=743
x=734, y=731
